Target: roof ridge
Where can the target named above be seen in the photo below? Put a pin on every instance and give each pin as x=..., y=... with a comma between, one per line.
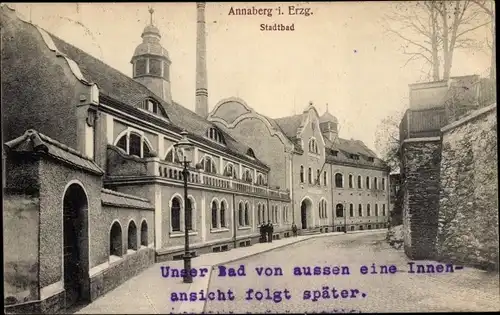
x=116, y=193
x=61, y=145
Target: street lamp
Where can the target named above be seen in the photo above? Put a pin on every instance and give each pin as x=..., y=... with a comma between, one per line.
x=186, y=147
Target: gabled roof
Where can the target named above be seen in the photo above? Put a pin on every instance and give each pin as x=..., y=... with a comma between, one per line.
x=289, y=125
x=32, y=141
x=126, y=90
x=346, y=147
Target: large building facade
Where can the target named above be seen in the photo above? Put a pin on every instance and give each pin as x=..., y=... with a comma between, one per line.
x=93, y=184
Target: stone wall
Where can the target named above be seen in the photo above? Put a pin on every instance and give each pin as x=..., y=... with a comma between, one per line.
x=421, y=162
x=468, y=212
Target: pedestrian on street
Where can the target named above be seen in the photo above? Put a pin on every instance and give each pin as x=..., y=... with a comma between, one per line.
x=263, y=233
x=270, y=230
x=294, y=229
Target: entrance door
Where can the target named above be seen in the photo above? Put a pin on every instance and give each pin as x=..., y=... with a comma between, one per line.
x=75, y=245
x=303, y=214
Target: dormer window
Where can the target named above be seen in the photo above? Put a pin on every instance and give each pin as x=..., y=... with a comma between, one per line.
x=354, y=156
x=250, y=153
x=370, y=159
x=215, y=135
x=333, y=152
x=151, y=106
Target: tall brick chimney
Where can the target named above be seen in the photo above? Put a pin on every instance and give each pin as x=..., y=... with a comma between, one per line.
x=201, y=63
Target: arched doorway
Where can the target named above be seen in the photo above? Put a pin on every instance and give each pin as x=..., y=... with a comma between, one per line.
x=305, y=209
x=75, y=247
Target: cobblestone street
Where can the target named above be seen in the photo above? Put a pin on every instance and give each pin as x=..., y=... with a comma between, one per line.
x=464, y=290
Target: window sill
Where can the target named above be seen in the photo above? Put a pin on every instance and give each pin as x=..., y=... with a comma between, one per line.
x=113, y=259
x=244, y=227
x=181, y=234
x=222, y=230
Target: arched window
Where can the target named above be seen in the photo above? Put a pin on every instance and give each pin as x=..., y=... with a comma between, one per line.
x=259, y=215
x=325, y=178
x=230, y=171
x=115, y=240
x=132, y=236
x=223, y=214
x=134, y=144
x=247, y=176
x=383, y=210
x=189, y=210
x=368, y=210
x=174, y=155
x=339, y=180
x=323, y=214
x=313, y=146
x=367, y=182
x=264, y=213
x=383, y=183
x=214, y=214
x=176, y=215
x=360, y=210
x=309, y=175
x=318, y=177
x=302, y=173
x=209, y=165
x=144, y=233
x=260, y=180
x=375, y=183
x=339, y=211
x=350, y=181
x=359, y=182
x=215, y=135
x=351, y=210
x=376, y=209
x=247, y=218
x=240, y=214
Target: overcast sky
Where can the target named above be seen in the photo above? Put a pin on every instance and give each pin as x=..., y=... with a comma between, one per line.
x=339, y=55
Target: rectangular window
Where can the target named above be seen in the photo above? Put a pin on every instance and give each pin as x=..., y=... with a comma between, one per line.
x=155, y=67
x=140, y=67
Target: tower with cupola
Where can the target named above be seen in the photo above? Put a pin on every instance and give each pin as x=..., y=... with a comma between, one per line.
x=151, y=63
x=329, y=125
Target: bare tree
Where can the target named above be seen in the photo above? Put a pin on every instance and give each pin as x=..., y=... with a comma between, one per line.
x=432, y=30
x=387, y=139
x=488, y=7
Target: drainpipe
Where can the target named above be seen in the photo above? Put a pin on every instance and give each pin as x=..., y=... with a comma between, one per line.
x=234, y=221
x=333, y=203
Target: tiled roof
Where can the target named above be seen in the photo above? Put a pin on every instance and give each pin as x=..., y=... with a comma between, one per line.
x=289, y=125
x=117, y=199
x=124, y=89
x=345, y=147
x=32, y=141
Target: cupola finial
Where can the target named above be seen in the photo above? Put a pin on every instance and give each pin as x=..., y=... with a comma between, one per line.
x=151, y=11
